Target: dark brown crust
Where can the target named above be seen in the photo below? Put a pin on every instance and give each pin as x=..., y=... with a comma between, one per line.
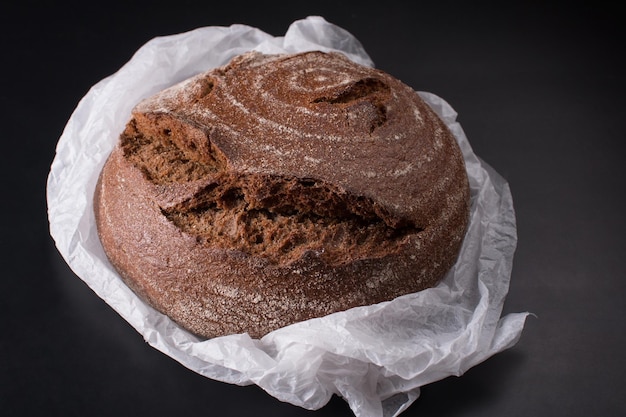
x=281, y=188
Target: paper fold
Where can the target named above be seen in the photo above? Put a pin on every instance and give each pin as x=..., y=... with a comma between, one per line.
x=375, y=357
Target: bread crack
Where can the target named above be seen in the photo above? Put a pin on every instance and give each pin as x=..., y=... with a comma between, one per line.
x=276, y=218
x=364, y=99
x=169, y=153
x=363, y=88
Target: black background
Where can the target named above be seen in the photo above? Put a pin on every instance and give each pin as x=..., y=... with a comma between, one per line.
x=539, y=89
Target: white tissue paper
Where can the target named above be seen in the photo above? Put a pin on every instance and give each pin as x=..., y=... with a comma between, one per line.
x=375, y=357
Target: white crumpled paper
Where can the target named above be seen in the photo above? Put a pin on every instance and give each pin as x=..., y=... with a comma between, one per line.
x=375, y=357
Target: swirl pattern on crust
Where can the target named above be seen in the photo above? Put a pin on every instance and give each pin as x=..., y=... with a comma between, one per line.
x=279, y=188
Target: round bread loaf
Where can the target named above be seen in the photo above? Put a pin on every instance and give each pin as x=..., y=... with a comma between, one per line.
x=279, y=188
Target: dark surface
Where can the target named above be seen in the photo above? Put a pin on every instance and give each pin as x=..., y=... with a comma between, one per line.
x=539, y=91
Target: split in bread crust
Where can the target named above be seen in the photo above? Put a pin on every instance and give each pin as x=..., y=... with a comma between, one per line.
x=267, y=215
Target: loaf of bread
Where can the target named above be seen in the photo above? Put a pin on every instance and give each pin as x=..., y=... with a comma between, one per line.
x=279, y=188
